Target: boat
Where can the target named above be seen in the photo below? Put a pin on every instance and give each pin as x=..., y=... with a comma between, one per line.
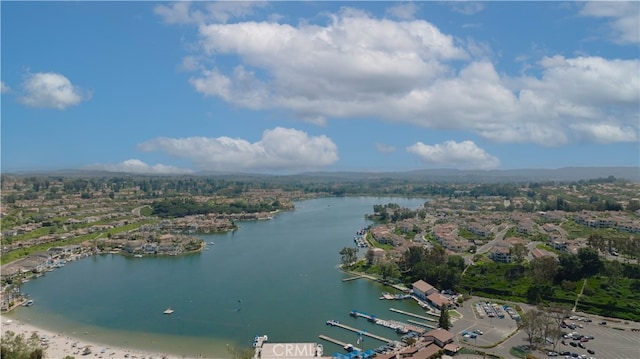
x=168, y=311
x=349, y=347
x=28, y=303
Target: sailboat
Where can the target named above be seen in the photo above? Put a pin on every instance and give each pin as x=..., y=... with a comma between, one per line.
x=168, y=311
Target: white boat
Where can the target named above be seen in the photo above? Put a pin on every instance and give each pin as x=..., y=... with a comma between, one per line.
x=168, y=311
x=28, y=303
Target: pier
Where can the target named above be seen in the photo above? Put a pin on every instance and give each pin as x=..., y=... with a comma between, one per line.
x=336, y=341
x=411, y=314
x=352, y=278
x=421, y=324
x=382, y=339
x=399, y=327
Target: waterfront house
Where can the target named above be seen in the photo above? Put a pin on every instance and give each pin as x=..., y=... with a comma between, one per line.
x=440, y=336
x=422, y=289
x=437, y=300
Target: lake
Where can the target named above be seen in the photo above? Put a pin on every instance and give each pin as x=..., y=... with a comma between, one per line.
x=278, y=277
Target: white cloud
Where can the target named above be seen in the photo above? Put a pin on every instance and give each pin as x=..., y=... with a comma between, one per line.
x=358, y=66
x=181, y=12
x=381, y=147
x=606, y=132
x=405, y=11
x=279, y=149
x=51, y=90
x=4, y=88
x=625, y=18
x=137, y=166
x=467, y=7
x=463, y=155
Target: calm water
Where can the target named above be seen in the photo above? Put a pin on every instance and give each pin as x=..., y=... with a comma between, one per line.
x=276, y=277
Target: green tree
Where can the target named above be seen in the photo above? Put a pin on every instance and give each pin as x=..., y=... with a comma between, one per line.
x=543, y=269
x=369, y=256
x=518, y=251
x=444, y=322
x=590, y=262
x=14, y=346
x=348, y=255
x=389, y=270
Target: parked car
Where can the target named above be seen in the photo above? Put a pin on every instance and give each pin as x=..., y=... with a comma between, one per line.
x=591, y=351
x=573, y=344
x=582, y=346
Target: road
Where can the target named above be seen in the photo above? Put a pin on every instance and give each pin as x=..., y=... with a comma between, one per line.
x=499, y=236
x=138, y=211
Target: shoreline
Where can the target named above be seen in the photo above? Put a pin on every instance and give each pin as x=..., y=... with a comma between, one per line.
x=61, y=345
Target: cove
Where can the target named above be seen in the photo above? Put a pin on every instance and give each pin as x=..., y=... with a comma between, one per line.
x=278, y=277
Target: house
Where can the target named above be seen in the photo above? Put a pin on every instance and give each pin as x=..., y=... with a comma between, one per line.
x=501, y=254
x=422, y=289
x=440, y=336
x=426, y=352
x=437, y=300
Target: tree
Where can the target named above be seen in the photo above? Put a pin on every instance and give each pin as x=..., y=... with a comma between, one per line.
x=533, y=324
x=589, y=261
x=370, y=255
x=518, y=251
x=389, y=270
x=543, y=269
x=14, y=346
x=348, y=255
x=444, y=321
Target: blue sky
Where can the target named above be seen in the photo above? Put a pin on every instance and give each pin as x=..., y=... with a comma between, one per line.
x=286, y=87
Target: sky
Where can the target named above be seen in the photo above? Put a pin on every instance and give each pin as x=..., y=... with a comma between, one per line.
x=296, y=86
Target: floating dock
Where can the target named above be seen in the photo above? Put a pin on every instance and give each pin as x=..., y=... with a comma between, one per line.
x=399, y=327
x=336, y=341
x=421, y=324
x=411, y=314
x=363, y=332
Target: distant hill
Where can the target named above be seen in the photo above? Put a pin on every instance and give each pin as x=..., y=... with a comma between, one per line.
x=565, y=174
x=459, y=176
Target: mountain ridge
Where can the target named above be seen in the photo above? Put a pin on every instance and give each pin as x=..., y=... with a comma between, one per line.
x=562, y=174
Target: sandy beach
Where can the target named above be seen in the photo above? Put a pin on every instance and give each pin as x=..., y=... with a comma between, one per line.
x=61, y=345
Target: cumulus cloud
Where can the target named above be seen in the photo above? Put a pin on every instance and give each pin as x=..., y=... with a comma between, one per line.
x=4, y=88
x=464, y=155
x=51, y=90
x=279, y=149
x=606, y=132
x=625, y=19
x=359, y=66
x=137, y=166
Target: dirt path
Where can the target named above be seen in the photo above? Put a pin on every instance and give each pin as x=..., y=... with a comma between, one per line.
x=575, y=305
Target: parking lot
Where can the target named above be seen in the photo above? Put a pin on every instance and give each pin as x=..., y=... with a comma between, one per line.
x=493, y=329
x=608, y=343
